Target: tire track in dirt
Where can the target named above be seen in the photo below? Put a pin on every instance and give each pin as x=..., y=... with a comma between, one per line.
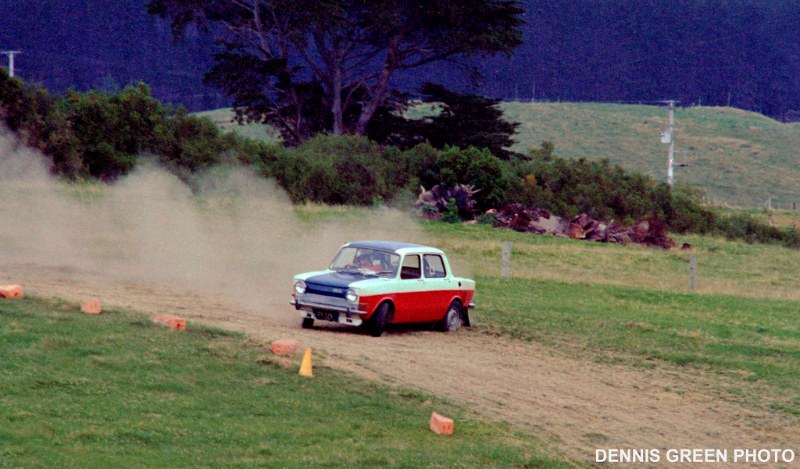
x=573, y=405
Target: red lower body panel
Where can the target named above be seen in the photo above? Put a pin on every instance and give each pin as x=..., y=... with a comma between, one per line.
x=426, y=306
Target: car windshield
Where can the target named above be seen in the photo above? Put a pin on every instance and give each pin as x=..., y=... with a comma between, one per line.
x=366, y=261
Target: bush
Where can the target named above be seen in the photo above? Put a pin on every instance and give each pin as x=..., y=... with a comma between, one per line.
x=428, y=167
x=451, y=213
x=744, y=226
x=335, y=170
x=684, y=213
x=487, y=219
x=100, y=135
x=571, y=187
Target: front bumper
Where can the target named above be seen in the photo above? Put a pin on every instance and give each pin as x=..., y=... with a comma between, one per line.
x=315, y=309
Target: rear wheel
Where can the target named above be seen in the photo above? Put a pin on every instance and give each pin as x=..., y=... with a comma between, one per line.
x=308, y=323
x=453, y=318
x=377, y=323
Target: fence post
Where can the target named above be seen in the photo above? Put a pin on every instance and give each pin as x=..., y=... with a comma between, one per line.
x=505, y=269
x=692, y=273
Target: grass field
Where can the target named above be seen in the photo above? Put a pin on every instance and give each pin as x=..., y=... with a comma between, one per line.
x=631, y=303
x=112, y=390
x=224, y=119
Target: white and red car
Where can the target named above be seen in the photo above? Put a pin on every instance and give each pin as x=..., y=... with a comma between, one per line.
x=375, y=283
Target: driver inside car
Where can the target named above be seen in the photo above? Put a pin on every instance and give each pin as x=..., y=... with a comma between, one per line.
x=364, y=261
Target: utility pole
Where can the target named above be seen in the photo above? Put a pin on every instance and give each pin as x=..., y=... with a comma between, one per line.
x=10, y=54
x=669, y=137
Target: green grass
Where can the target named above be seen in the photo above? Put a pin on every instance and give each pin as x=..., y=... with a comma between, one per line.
x=630, y=303
x=736, y=157
x=724, y=267
x=224, y=119
x=112, y=390
x=758, y=338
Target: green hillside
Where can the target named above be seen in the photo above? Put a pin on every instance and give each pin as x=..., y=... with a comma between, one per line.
x=737, y=157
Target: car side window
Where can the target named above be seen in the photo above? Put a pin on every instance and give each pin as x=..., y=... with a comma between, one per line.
x=434, y=266
x=411, y=268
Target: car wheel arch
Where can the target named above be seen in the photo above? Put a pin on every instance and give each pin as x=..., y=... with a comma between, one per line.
x=390, y=316
x=462, y=307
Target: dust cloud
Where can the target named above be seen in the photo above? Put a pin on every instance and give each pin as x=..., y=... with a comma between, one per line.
x=233, y=233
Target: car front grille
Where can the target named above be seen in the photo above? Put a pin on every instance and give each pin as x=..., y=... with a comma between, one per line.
x=326, y=290
x=323, y=300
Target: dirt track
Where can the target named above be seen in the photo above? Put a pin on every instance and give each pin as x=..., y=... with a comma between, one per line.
x=573, y=405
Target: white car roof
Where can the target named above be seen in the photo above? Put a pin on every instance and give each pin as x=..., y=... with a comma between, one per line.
x=392, y=246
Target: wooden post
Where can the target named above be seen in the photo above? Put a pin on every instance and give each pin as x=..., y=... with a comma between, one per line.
x=794, y=206
x=505, y=269
x=692, y=273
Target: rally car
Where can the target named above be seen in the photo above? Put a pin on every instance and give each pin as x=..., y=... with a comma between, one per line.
x=375, y=283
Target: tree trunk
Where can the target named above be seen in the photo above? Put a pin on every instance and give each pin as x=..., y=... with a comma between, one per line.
x=378, y=91
x=337, y=107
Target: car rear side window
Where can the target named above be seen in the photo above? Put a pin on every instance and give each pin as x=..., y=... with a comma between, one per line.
x=434, y=266
x=411, y=268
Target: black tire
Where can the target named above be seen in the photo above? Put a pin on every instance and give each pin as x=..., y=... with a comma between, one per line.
x=453, y=319
x=377, y=323
x=308, y=323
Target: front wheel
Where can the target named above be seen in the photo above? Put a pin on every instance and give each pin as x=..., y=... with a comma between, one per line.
x=378, y=321
x=308, y=323
x=453, y=318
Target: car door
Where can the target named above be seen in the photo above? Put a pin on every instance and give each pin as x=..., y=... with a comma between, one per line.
x=437, y=286
x=409, y=300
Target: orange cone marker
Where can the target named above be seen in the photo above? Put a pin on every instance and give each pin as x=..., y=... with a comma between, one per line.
x=305, y=367
x=284, y=347
x=441, y=425
x=92, y=306
x=173, y=322
x=11, y=291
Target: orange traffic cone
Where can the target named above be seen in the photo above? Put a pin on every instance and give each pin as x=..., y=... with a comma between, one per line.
x=305, y=367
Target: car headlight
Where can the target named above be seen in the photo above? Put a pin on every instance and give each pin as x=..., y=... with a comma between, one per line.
x=352, y=296
x=300, y=287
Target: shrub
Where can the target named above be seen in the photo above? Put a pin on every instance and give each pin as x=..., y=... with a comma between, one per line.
x=571, y=187
x=791, y=238
x=100, y=135
x=683, y=210
x=744, y=226
x=487, y=219
x=334, y=170
x=451, y=213
x=428, y=167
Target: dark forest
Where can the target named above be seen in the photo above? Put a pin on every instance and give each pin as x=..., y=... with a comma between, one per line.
x=744, y=54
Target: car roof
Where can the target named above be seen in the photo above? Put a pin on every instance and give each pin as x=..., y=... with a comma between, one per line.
x=393, y=246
